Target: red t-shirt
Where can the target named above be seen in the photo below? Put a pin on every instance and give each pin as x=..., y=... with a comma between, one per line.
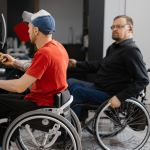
x=49, y=66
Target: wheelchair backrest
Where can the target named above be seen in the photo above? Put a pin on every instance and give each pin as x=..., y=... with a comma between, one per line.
x=61, y=98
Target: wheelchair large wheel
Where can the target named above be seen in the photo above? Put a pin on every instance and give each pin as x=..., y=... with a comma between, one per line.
x=123, y=128
x=75, y=122
x=39, y=130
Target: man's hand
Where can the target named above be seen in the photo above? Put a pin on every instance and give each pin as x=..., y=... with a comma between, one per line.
x=6, y=59
x=72, y=63
x=115, y=102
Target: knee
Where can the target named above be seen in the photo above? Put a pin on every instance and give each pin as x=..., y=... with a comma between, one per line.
x=71, y=81
x=78, y=91
x=78, y=96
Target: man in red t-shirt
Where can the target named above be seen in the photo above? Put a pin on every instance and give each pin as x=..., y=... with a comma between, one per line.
x=46, y=74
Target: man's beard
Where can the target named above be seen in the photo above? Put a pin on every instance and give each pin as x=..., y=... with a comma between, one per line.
x=116, y=38
x=32, y=39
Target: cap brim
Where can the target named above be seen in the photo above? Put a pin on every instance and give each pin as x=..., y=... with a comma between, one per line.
x=26, y=16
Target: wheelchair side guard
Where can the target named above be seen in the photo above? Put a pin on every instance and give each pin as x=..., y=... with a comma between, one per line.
x=61, y=98
x=59, y=110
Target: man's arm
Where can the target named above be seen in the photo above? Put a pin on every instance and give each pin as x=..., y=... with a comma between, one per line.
x=89, y=66
x=21, y=65
x=136, y=69
x=17, y=85
x=12, y=62
x=138, y=73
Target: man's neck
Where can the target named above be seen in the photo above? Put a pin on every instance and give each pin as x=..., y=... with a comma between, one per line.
x=42, y=40
x=123, y=40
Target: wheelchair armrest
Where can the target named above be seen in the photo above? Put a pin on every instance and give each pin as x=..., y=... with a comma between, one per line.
x=66, y=104
x=61, y=109
x=62, y=101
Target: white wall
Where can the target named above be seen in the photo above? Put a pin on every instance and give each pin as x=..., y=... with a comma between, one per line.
x=112, y=8
x=69, y=18
x=140, y=12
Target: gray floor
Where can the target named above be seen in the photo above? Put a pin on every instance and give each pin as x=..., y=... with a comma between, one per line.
x=89, y=142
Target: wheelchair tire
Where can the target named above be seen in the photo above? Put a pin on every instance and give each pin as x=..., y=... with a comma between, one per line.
x=126, y=127
x=75, y=122
x=41, y=130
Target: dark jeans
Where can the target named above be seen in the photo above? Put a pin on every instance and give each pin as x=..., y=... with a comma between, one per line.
x=85, y=93
x=14, y=104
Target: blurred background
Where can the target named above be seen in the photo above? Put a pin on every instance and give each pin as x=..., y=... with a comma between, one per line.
x=82, y=26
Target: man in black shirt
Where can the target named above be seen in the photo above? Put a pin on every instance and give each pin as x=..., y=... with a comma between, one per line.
x=120, y=75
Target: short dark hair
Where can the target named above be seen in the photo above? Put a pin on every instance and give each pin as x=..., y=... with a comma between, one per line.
x=128, y=19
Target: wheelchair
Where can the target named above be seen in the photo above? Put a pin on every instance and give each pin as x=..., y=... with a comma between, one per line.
x=45, y=128
x=123, y=128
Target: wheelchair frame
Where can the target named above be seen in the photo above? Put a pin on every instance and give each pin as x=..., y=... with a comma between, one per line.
x=110, y=125
x=52, y=126
x=126, y=125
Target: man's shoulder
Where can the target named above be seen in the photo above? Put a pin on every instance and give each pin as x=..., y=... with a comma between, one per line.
x=131, y=50
x=130, y=46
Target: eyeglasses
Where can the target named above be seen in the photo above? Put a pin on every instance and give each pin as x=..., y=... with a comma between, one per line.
x=117, y=26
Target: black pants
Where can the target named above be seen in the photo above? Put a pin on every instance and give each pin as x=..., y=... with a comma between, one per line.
x=11, y=106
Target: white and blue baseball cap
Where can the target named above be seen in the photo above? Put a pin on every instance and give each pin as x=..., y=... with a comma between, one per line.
x=42, y=19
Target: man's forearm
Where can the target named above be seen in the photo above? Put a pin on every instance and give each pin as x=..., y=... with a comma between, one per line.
x=9, y=85
x=21, y=65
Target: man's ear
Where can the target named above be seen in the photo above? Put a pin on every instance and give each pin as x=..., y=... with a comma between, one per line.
x=36, y=30
x=131, y=28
